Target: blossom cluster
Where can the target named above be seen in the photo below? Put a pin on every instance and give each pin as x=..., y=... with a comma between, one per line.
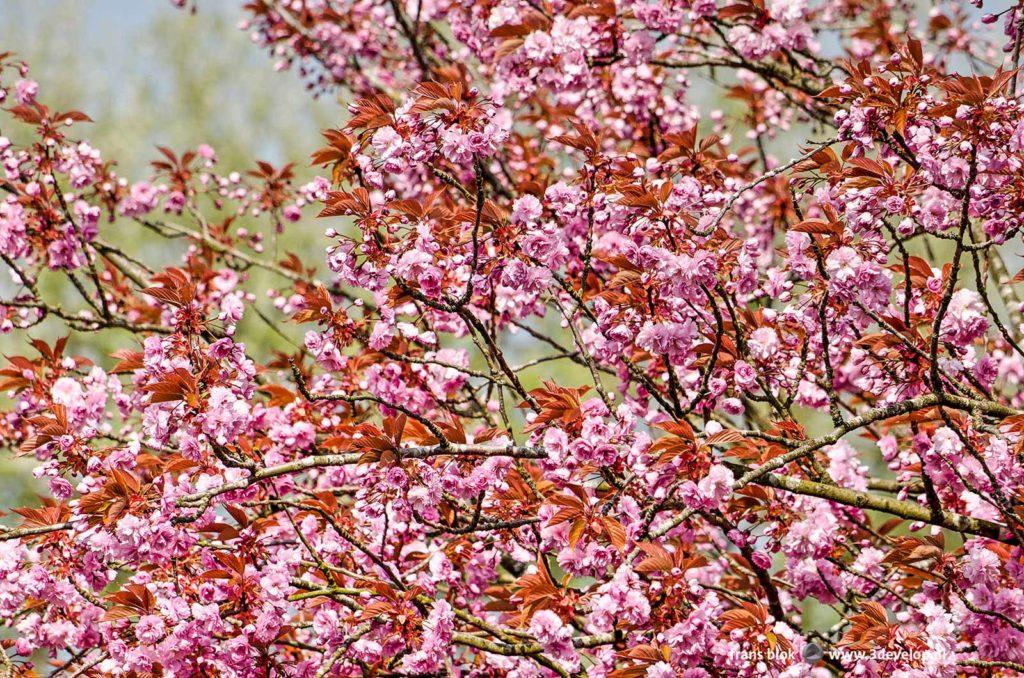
x=593, y=378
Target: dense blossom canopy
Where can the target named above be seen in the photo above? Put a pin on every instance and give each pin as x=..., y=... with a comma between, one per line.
x=596, y=379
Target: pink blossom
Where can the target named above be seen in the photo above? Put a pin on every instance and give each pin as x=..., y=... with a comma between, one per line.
x=25, y=91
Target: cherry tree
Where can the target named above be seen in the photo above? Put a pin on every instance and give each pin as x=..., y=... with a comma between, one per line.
x=597, y=378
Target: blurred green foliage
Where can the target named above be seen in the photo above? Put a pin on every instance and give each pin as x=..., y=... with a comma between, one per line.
x=150, y=74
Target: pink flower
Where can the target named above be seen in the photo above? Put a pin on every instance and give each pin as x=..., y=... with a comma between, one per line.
x=764, y=343
x=150, y=628
x=206, y=152
x=25, y=91
x=710, y=491
x=526, y=210
x=965, y=319
x=555, y=638
x=437, y=639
